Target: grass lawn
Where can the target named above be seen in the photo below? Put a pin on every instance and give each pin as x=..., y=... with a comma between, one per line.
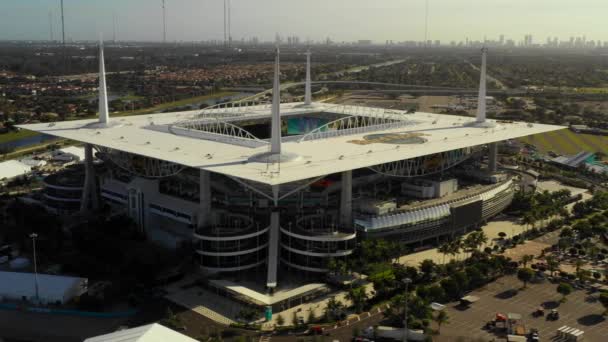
x=12, y=136
x=568, y=142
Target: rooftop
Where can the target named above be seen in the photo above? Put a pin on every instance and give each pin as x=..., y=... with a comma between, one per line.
x=213, y=140
x=146, y=333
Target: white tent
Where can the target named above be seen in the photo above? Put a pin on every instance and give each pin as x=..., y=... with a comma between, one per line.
x=145, y=333
x=51, y=288
x=13, y=168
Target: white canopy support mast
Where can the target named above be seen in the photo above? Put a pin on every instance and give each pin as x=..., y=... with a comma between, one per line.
x=481, y=99
x=275, y=130
x=104, y=114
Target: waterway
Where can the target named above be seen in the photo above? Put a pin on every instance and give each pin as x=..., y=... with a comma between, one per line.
x=358, y=69
x=27, y=141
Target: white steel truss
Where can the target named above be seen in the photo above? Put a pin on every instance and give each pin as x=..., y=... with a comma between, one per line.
x=218, y=130
x=360, y=120
x=140, y=165
x=425, y=165
x=285, y=190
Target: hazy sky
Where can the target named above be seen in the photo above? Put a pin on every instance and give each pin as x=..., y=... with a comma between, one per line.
x=378, y=20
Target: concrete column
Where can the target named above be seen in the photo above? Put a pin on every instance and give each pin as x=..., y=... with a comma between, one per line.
x=346, y=199
x=204, y=216
x=273, y=249
x=492, y=157
x=89, y=201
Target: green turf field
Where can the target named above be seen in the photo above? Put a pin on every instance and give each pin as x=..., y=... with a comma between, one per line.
x=568, y=142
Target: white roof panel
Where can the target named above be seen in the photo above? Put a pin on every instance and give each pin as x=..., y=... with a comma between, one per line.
x=76, y=151
x=13, y=168
x=145, y=333
x=317, y=157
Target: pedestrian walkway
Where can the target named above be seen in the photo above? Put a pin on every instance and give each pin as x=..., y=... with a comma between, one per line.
x=265, y=338
x=206, y=303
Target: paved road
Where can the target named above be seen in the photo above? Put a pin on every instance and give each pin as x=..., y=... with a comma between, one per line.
x=489, y=77
x=344, y=331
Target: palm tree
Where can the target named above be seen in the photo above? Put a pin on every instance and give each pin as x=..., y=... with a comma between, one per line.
x=481, y=238
x=578, y=264
x=526, y=259
x=455, y=247
x=441, y=318
x=528, y=220
x=552, y=264
x=357, y=296
x=445, y=249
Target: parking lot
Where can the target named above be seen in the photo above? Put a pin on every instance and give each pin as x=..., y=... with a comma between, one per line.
x=582, y=311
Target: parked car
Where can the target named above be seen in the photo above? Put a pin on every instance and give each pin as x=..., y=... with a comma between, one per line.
x=553, y=315
x=534, y=336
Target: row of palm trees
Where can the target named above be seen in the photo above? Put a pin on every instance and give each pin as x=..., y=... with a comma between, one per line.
x=469, y=244
x=545, y=205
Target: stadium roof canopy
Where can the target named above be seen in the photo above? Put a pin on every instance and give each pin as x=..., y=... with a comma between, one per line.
x=361, y=137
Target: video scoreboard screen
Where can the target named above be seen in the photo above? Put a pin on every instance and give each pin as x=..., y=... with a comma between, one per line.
x=465, y=214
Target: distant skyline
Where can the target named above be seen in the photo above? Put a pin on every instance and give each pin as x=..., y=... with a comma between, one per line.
x=341, y=20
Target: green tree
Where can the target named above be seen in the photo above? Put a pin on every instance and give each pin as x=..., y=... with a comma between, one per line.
x=294, y=320
x=552, y=264
x=526, y=259
x=451, y=288
x=441, y=318
x=445, y=250
x=358, y=297
x=525, y=275
x=476, y=277
x=280, y=320
x=333, y=310
x=428, y=267
x=564, y=289
x=311, y=316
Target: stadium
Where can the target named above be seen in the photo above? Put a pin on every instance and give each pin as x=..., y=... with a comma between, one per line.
x=261, y=187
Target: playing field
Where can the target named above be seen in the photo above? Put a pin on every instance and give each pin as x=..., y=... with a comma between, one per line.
x=568, y=142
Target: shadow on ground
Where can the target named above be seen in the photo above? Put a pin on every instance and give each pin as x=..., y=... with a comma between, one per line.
x=591, y=319
x=506, y=294
x=550, y=304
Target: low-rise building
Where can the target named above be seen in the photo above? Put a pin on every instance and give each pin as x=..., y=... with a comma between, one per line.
x=52, y=289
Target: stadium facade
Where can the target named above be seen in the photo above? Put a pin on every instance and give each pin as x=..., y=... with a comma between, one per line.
x=275, y=185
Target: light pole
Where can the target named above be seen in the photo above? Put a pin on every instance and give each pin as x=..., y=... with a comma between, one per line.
x=407, y=282
x=34, y=236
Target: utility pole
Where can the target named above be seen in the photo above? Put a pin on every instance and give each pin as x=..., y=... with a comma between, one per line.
x=229, y=24
x=407, y=282
x=426, y=23
x=66, y=60
x=164, y=23
x=225, y=23
x=34, y=236
x=62, y=26
x=114, y=27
